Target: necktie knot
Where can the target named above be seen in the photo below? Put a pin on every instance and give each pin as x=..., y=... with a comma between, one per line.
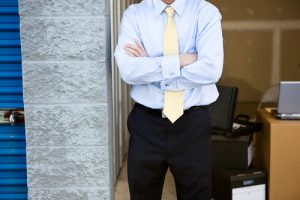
x=170, y=11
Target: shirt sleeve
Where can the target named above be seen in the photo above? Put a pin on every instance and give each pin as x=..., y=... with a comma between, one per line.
x=141, y=70
x=209, y=66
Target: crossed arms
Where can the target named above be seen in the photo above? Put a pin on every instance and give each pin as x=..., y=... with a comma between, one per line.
x=137, y=50
x=179, y=72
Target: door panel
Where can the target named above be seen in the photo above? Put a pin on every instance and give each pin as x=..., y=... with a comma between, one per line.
x=13, y=176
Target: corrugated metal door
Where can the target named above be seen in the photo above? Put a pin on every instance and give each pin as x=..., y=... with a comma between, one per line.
x=13, y=181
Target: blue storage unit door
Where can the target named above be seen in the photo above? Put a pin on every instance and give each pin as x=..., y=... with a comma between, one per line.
x=13, y=181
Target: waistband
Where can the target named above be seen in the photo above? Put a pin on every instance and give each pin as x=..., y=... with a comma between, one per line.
x=158, y=112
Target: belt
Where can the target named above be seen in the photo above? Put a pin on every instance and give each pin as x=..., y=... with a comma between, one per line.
x=158, y=112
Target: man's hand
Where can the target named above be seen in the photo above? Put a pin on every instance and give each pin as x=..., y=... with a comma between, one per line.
x=135, y=50
x=187, y=59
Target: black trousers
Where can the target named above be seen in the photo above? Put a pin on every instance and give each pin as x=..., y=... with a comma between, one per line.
x=184, y=147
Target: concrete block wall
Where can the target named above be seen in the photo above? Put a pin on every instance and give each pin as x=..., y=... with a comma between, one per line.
x=261, y=41
x=65, y=61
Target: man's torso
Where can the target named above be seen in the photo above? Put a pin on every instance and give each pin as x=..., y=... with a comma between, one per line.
x=151, y=29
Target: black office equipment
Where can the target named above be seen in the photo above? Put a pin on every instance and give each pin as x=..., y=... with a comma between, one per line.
x=230, y=184
x=222, y=113
x=223, y=109
x=232, y=150
x=232, y=153
x=231, y=137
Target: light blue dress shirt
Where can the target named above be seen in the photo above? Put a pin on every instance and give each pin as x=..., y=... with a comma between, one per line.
x=198, y=24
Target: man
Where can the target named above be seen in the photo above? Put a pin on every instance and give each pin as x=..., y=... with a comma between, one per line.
x=171, y=52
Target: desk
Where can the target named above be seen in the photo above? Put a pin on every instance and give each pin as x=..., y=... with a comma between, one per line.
x=278, y=152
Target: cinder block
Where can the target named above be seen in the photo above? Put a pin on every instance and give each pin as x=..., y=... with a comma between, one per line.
x=75, y=82
x=290, y=55
x=61, y=7
x=247, y=62
x=67, y=167
x=68, y=193
x=71, y=39
x=66, y=125
x=258, y=10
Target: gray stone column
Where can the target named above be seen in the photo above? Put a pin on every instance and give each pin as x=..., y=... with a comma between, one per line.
x=65, y=61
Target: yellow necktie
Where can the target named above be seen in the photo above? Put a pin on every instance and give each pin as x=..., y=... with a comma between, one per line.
x=173, y=100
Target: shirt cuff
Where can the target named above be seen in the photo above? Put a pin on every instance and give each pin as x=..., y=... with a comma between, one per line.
x=169, y=85
x=170, y=66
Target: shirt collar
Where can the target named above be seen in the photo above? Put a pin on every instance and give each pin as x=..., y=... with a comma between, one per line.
x=178, y=6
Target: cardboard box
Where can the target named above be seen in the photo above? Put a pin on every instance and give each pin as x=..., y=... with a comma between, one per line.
x=278, y=152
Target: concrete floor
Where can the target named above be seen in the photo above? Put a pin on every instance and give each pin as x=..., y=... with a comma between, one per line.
x=122, y=192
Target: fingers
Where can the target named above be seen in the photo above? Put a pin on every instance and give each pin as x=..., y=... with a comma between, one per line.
x=192, y=58
x=138, y=43
x=138, y=48
x=129, y=53
x=195, y=56
x=141, y=48
x=135, y=50
x=187, y=59
x=131, y=49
